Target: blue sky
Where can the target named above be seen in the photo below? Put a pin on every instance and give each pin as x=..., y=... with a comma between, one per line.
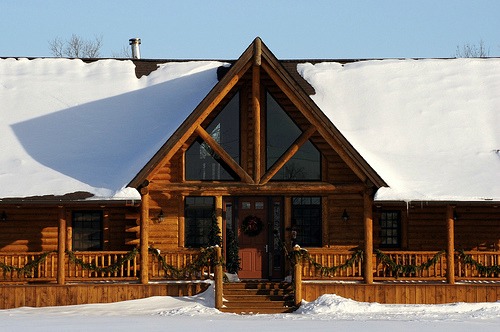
x=222, y=29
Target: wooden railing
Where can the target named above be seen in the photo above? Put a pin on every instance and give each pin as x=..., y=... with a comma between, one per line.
x=412, y=266
x=177, y=261
x=16, y=267
x=484, y=259
x=414, y=260
x=23, y=267
x=329, y=259
x=86, y=266
x=98, y=261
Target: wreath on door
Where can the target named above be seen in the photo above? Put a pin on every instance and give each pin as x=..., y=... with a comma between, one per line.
x=252, y=225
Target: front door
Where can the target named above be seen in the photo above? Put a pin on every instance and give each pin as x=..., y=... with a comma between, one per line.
x=259, y=228
x=253, y=237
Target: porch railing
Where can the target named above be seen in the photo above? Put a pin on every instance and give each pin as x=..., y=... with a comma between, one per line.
x=94, y=266
x=86, y=266
x=402, y=265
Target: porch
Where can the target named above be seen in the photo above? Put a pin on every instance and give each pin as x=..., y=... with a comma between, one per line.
x=31, y=279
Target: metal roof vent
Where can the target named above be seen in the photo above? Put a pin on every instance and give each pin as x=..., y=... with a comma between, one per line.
x=136, y=51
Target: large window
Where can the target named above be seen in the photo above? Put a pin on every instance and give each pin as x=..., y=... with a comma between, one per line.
x=306, y=220
x=201, y=161
x=199, y=212
x=390, y=222
x=281, y=133
x=87, y=230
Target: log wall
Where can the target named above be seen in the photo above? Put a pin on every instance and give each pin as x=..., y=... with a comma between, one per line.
x=35, y=228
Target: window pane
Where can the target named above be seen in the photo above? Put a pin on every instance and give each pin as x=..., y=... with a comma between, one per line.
x=199, y=212
x=201, y=162
x=306, y=220
x=281, y=133
x=389, y=229
x=87, y=230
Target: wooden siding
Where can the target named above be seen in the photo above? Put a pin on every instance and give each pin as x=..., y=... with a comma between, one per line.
x=405, y=293
x=14, y=296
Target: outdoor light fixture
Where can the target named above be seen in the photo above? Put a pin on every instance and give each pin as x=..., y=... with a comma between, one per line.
x=345, y=216
x=455, y=215
x=160, y=217
x=3, y=216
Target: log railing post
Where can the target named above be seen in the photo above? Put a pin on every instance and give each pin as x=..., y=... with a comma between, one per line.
x=218, y=276
x=450, y=248
x=144, y=239
x=61, y=247
x=297, y=276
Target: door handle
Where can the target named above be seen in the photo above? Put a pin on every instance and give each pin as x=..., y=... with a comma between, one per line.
x=267, y=248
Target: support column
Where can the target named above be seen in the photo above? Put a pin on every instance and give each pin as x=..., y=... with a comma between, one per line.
x=368, y=235
x=218, y=213
x=219, y=280
x=450, y=248
x=61, y=247
x=256, y=110
x=297, y=278
x=144, y=240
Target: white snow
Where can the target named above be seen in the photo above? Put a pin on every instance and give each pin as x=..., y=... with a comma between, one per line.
x=196, y=313
x=430, y=128
x=67, y=125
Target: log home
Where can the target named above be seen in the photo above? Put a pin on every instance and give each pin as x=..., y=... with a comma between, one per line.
x=379, y=180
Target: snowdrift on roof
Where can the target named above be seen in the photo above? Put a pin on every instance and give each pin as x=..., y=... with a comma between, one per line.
x=67, y=125
x=430, y=128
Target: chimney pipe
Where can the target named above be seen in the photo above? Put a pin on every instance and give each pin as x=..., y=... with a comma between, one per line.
x=136, y=51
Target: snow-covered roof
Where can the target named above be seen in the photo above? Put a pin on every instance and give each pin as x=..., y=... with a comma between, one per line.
x=429, y=128
x=68, y=126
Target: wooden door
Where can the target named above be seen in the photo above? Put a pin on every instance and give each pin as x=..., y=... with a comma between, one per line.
x=253, y=237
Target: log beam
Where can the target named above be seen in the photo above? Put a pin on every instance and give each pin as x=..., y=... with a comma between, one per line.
x=281, y=188
x=256, y=114
x=285, y=157
x=219, y=150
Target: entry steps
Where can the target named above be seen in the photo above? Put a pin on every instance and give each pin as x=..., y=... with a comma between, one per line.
x=258, y=297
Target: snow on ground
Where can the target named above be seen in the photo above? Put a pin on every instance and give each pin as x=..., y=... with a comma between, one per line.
x=196, y=313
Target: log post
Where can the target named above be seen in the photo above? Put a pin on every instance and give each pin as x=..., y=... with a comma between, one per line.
x=218, y=213
x=450, y=241
x=144, y=240
x=256, y=110
x=297, y=277
x=368, y=235
x=219, y=277
x=61, y=247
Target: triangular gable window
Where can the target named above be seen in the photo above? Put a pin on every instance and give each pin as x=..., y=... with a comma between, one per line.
x=281, y=134
x=201, y=162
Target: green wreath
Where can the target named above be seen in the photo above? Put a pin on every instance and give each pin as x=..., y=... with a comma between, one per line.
x=252, y=225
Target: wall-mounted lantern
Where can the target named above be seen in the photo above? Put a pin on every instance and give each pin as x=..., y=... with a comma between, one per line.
x=345, y=216
x=159, y=219
x=3, y=216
